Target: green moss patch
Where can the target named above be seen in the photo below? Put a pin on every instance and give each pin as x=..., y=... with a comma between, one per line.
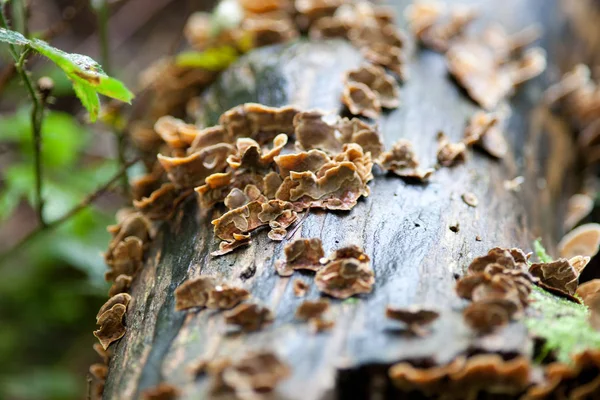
x=562, y=324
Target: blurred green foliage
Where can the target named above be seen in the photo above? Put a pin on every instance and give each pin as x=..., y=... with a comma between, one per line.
x=53, y=285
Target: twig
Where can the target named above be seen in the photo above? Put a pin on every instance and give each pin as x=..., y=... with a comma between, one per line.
x=86, y=202
x=37, y=118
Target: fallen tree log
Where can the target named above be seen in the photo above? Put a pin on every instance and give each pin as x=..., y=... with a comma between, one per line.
x=419, y=237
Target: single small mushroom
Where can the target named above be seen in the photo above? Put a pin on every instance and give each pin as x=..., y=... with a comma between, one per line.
x=484, y=318
x=121, y=298
x=415, y=318
x=224, y=297
x=485, y=131
x=346, y=273
x=581, y=241
x=249, y=317
x=383, y=85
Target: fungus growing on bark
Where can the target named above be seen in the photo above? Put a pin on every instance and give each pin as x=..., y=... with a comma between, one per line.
x=191, y=171
x=387, y=56
x=311, y=309
x=383, y=85
x=215, y=189
x=450, y=154
x=176, y=133
x=251, y=377
x=111, y=325
x=579, y=206
x=415, y=318
x=224, y=297
x=193, y=292
x=301, y=254
x=163, y=391
x=484, y=317
x=484, y=130
x=346, y=274
x=560, y=274
x=470, y=199
x=361, y=100
x=430, y=380
x=125, y=258
x=121, y=298
x=482, y=71
x=268, y=29
x=435, y=25
x=581, y=241
x=300, y=287
x=258, y=122
x=249, y=317
x=161, y=203
x=402, y=161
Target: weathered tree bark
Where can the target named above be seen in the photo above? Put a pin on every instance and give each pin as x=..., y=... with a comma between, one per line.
x=404, y=228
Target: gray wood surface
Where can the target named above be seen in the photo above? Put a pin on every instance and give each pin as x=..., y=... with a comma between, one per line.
x=404, y=228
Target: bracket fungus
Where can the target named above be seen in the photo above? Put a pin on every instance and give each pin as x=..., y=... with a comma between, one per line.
x=415, y=318
x=301, y=254
x=193, y=292
x=111, y=325
x=311, y=309
x=346, y=273
x=581, y=241
x=579, y=206
x=381, y=84
x=450, y=154
x=561, y=274
x=436, y=25
x=251, y=377
x=402, y=161
x=484, y=130
x=249, y=317
x=361, y=100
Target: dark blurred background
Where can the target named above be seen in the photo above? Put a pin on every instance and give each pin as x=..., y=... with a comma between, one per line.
x=52, y=286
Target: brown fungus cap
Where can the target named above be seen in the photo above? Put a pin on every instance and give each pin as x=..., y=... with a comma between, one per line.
x=361, y=100
x=121, y=285
x=387, y=56
x=301, y=254
x=163, y=391
x=311, y=309
x=402, y=161
x=193, y=292
x=579, y=206
x=249, y=317
x=251, y=377
x=484, y=317
x=258, y=122
x=176, y=133
x=121, y=298
x=215, y=189
x=559, y=274
x=490, y=373
x=450, y=154
x=383, y=85
x=581, y=241
x=161, y=203
x=588, y=290
x=347, y=276
x=436, y=25
x=224, y=297
x=414, y=317
x=111, y=325
x=484, y=131
x=268, y=29
x=430, y=380
x=192, y=170
x=125, y=259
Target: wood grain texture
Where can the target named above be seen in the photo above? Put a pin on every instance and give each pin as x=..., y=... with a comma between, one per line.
x=404, y=228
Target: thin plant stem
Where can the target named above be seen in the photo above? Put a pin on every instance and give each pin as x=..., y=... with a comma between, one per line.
x=37, y=119
x=103, y=14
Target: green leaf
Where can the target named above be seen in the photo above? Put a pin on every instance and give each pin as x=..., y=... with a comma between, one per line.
x=89, y=98
x=12, y=37
x=213, y=59
x=540, y=251
x=86, y=74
